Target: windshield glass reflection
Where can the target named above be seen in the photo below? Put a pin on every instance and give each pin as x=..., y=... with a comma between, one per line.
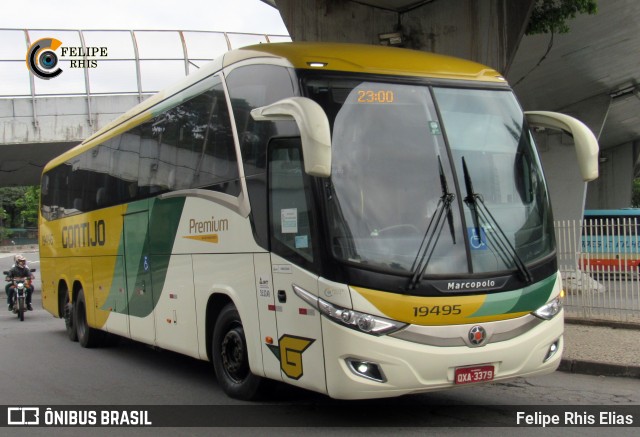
x=386, y=185
x=487, y=129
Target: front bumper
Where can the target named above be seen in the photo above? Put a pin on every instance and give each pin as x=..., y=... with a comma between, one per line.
x=411, y=367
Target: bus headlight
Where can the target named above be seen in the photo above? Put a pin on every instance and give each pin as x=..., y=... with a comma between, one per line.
x=356, y=320
x=550, y=309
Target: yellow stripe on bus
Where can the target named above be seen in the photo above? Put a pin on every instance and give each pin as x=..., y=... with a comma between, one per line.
x=432, y=311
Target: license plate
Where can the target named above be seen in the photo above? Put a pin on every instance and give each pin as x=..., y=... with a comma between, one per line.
x=468, y=375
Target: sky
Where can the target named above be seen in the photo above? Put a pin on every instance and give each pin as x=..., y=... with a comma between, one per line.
x=251, y=16
x=160, y=52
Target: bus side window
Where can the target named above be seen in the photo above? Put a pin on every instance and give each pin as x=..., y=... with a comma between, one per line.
x=290, y=201
x=251, y=87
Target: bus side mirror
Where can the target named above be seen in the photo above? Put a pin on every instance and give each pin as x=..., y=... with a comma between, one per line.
x=314, y=130
x=585, y=142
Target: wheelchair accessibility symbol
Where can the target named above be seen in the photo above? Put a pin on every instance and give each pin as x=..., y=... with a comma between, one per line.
x=477, y=242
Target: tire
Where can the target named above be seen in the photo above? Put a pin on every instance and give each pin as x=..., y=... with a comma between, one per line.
x=21, y=309
x=230, y=359
x=87, y=337
x=67, y=308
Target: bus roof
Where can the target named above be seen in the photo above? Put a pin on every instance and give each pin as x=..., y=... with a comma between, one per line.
x=364, y=58
x=353, y=58
x=623, y=212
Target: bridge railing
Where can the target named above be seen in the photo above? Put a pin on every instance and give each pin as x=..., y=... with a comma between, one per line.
x=136, y=62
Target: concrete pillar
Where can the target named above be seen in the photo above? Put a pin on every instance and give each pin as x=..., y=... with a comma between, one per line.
x=566, y=187
x=335, y=21
x=487, y=32
x=570, y=198
x=567, y=190
x=612, y=190
x=613, y=187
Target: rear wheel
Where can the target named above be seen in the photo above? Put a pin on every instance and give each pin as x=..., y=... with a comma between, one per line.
x=67, y=309
x=230, y=358
x=87, y=336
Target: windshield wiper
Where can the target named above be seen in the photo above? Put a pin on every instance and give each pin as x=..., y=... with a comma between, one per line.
x=470, y=199
x=428, y=244
x=499, y=240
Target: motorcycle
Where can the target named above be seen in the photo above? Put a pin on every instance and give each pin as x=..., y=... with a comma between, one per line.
x=19, y=286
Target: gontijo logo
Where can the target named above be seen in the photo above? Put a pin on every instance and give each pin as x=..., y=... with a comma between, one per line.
x=42, y=59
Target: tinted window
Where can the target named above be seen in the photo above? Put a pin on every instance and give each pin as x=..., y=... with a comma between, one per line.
x=251, y=87
x=290, y=203
x=187, y=146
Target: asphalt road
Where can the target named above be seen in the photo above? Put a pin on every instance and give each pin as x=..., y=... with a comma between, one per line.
x=40, y=366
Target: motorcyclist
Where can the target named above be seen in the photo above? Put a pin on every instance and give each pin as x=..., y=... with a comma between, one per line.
x=19, y=271
x=9, y=283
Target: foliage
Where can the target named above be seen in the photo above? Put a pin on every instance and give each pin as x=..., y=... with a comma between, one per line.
x=3, y=232
x=550, y=16
x=28, y=206
x=19, y=206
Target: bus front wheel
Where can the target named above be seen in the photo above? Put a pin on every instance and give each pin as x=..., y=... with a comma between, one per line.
x=230, y=358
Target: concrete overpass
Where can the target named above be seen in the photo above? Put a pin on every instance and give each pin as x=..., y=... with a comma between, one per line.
x=39, y=119
x=590, y=73
x=35, y=131
x=487, y=31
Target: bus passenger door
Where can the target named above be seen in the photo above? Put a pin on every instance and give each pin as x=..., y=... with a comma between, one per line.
x=294, y=261
x=299, y=343
x=266, y=314
x=138, y=275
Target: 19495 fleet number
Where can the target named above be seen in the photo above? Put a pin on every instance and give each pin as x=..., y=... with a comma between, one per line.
x=437, y=310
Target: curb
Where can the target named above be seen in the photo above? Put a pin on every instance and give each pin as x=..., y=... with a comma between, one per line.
x=594, y=368
x=598, y=369
x=19, y=249
x=604, y=323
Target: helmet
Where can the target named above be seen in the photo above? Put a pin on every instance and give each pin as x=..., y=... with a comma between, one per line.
x=20, y=259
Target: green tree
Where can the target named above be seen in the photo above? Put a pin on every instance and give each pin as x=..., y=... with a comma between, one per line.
x=3, y=232
x=19, y=206
x=27, y=207
x=550, y=16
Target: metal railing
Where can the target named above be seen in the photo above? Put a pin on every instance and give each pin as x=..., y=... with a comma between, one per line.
x=599, y=261
x=137, y=61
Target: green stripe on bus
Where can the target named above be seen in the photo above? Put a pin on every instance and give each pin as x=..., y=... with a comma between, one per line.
x=524, y=300
x=163, y=226
x=147, y=248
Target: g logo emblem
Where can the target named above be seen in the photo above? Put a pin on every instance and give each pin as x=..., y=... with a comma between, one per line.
x=289, y=353
x=42, y=60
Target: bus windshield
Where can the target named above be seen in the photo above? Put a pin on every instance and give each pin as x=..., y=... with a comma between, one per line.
x=398, y=198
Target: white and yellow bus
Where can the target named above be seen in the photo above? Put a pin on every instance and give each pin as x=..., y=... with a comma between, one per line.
x=355, y=220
